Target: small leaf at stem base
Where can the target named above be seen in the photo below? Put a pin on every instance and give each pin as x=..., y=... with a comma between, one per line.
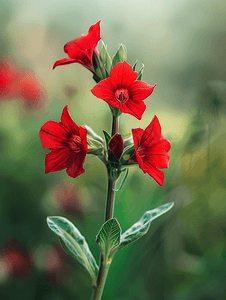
x=109, y=238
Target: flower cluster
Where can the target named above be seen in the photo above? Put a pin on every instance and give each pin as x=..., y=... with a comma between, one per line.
x=121, y=87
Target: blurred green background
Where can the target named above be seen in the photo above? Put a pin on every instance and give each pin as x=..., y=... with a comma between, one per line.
x=182, y=45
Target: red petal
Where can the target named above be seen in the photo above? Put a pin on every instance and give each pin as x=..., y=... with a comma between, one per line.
x=152, y=133
x=166, y=144
x=159, y=160
x=64, y=61
x=67, y=122
x=122, y=76
x=53, y=136
x=75, y=167
x=133, y=108
x=57, y=160
x=105, y=91
x=137, y=135
x=94, y=31
x=83, y=136
x=140, y=90
x=155, y=173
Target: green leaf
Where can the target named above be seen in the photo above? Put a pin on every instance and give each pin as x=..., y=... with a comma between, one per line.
x=141, y=227
x=120, y=55
x=140, y=74
x=74, y=243
x=107, y=138
x=134, y=66
x=109, y=239
x=105, y=58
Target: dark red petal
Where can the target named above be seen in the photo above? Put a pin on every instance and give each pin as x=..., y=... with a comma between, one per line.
x=105, y=91
x=57, y=160
x=152, y=134
x=53, y=135
x=64, y=61
x=137, y=135
x=155, y=173
x=116, y=145
x=122, y=76
x=75, y=167
x=140, y=90
x=133, y=108
x=67, y=123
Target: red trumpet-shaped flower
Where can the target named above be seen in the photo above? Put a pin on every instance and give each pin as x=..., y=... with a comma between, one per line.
x=81, y=49
x=116, y=145
x=68, y=145
x=151, y=150
x=123, y=91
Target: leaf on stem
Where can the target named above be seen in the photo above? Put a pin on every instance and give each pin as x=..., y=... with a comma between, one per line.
x=109, y=238
x=75, y=244
x=141, y=227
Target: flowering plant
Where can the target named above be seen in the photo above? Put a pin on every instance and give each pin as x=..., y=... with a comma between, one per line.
x=121, y=87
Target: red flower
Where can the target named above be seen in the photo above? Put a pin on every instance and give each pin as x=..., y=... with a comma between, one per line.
x=151, y=150
x=21, y=83
x=68, y=143
x=17, y=259
x=123, y=91
x=8, y=78
x=81, y=50
x=116, y=145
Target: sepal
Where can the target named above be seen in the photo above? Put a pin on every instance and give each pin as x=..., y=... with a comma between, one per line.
x=126, y=155
x=120, y=55
x=97, y=76
x=95, y=142
x=105, y=59
x=140, y=73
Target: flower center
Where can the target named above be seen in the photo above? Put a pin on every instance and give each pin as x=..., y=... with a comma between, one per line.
x=76, y=143
x=141, y=151
x=122, y=95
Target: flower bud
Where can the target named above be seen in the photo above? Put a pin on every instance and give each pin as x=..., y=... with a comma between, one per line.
x=116, y=145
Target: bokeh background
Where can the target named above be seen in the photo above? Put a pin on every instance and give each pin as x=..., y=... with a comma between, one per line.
x=183, y=47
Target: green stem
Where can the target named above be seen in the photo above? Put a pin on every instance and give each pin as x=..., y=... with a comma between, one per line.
x=104, y=266
x=98, y=290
